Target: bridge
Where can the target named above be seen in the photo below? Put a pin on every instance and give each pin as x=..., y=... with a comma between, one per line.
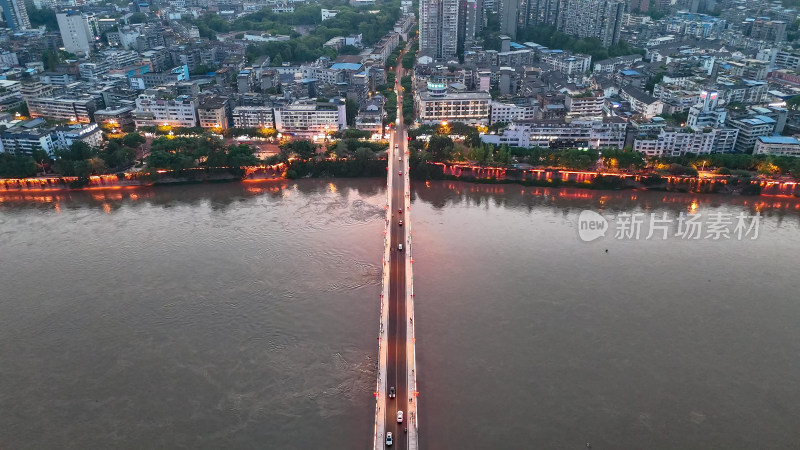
x=396, y=341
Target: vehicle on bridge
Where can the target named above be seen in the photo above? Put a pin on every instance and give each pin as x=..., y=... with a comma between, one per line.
x=389, y=440
x=391, y=392
x=399, y=416
x=400, y=247
x=400, y=223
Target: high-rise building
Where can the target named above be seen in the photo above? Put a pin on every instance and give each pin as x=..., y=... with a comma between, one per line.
x=15, y=14
x=532, y=12
x=470, y=17
x=600, y=19
x=507, y=13
x=438, y=27
x=75, y=32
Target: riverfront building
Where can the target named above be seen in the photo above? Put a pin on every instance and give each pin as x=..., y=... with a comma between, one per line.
x=152, y=109
x=310, y=118
x=436, y=104
x=777, y=145
x=681, y=142
x=253, y=117
x=559, y=134
x=65, y=108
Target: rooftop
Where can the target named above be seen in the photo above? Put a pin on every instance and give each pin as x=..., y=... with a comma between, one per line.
x=779, y=140
x=346, y=66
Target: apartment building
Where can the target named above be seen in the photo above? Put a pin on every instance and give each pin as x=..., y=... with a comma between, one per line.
x=74, y=109
x=585, y=105
x=24, y=139
x=750, y=129
x=601, y=19
x=155, y=108
x=310, y=118
x=75, y=32
x=253, y=117
x=66, y=135
x=508, y=112
x=436, y=104
x=438, y=27
x=777, y=145
x=682, y=141
x=212, y=112
x=608, y=132
x=565, y=62
x=15, y=14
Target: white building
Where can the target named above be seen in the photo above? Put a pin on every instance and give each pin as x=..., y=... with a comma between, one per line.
x=329, y=13
x=706, y=113
x=436, y=105
x=680, y=142
x=25, y=137
x=253, y=117
x=68, y=134
x=777, y=145
x=75, y=32
x=154, y=111
x=587, y=105
x=642, y=102
x=609, y=132
x=507, y=112
x=750, y=129
x=310, y=118
x=566, y=62
x=9, y=59
x=93, y=71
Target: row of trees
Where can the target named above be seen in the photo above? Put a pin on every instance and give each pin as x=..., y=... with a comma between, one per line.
x=736, y=163
x=188, y=152
x=411, y=56
x=408, y=99
x=79, y=160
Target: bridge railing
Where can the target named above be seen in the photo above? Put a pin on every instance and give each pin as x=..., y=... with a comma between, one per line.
x=380, y=388
x=411, y=375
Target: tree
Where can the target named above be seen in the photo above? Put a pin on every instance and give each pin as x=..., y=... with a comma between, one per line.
x=137, y=18
x=50, y=59
x=793, y=104
x=39, y=17
x=349, y=50
x=503, y=157
x=133, y=140
x=364, y=153
x=301, y=148
x=440, y=147
x=351, y=110
x=16, y=166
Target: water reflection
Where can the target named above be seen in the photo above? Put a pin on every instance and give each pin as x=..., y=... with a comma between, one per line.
x=442, y=194
x=219, y=195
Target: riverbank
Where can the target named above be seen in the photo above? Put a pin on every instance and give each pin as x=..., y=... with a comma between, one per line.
x=556, y=178
x=732, y=185
x=139, y=179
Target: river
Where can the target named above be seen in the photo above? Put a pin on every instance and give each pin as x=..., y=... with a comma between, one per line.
x=244, y=315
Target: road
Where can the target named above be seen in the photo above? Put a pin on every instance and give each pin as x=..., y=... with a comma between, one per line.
x=397, y=366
